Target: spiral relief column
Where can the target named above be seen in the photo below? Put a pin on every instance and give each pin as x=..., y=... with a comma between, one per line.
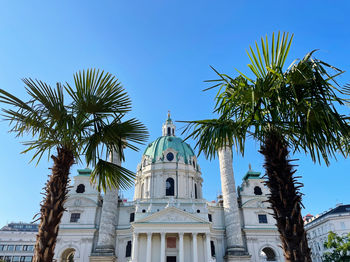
x=105, y=249
x=235, y=246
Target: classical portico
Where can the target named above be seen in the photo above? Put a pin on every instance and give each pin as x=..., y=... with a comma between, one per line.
x=171, y=234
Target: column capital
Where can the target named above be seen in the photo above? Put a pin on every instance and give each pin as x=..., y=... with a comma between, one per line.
x=181, y=234
x=162, y=234
x=149, y=234
x=194, y=234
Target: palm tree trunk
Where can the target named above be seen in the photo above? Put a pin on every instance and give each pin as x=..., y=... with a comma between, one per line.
x=52, y=206
x=285, y=198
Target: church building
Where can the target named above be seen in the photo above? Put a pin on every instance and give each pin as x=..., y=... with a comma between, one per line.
x=168, y=219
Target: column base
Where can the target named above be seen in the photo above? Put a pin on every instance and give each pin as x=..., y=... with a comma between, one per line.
x=94, y=258
x=237, y=253
x=244, y=258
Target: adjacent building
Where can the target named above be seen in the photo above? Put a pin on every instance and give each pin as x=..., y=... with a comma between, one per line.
x=336, y=220
x=17, y=242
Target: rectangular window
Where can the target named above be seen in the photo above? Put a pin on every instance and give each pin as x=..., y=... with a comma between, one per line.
x=18, y=248
x=16, y=259
x=10, y=247
x=74, y=217
x=262, y=219
x=2, y=247
x=30, y=248
x=128, y=249
x=212, y=247
x=28, y=259
x=210, y=218
x=132, y=217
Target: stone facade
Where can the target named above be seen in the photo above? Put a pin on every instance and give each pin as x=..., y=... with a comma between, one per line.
x=17, y=242
x=336, y=219
x=168, y=219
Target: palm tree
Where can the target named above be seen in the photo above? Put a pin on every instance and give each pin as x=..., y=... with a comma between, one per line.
x=91, y=124
x=294, y=108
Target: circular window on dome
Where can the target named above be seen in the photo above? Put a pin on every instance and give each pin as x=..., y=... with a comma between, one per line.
x=170, y=156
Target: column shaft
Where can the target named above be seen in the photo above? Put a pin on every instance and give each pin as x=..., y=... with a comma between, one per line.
x=231, y=212
x=195, y=247
x=149, y=247
x=208, y=247
x=162, y=247
x=106, y=234
x=135, y=247
x=181, y=247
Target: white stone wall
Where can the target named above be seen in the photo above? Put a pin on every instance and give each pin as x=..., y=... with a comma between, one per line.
x=80, y=240
x=258, y=235
x=257, y=241
x=154, y=175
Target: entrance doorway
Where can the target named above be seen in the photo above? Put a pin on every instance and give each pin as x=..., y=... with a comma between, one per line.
x=170, y=259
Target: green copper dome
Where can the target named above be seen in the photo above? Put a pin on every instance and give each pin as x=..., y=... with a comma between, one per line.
x=155, y=150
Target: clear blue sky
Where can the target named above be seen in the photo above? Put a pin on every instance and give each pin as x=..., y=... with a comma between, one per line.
x=161, y=51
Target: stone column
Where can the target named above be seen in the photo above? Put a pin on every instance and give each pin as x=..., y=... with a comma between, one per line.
x=208, y=247
x=107, y=230
x=195, y=247
x=135, y=247
x=231, y=212
x=181, y=247
x=162, y=247
x=149, y=247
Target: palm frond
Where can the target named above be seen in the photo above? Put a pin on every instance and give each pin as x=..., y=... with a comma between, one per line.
x=98, y=92
x=263, y=59
x=212, y=134
x=107, y=174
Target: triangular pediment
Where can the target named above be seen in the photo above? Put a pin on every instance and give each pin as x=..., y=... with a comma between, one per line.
x=172, y=215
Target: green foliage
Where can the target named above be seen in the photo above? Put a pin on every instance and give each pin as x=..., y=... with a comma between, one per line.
x=91, y=124
x=300, y=103
x=339, y=248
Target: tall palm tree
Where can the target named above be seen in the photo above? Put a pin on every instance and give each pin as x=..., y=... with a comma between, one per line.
x=91, y=124
x=284, y=109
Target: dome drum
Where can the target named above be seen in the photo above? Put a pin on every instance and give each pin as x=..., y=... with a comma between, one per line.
x=168, y=168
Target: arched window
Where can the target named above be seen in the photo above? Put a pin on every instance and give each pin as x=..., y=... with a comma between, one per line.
x=195, y=191
x=169, y=130
x=68, y=255
x=71, y=257
x=169, y=186
x=80, y=188
x=268, y=254
x=142, y=190
x=257, y=191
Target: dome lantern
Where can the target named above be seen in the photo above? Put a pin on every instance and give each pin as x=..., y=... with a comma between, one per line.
x=168, y=128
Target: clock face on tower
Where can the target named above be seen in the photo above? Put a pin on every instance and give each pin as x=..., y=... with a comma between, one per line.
x=170, y=156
